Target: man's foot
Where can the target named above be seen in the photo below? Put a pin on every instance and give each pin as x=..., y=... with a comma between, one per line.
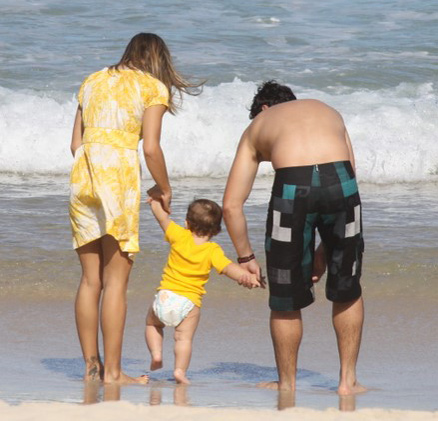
x=275, y=386
x=180, y=376
x=356, y=388
x=156, y=363
x=123, y=379
x=93, y=370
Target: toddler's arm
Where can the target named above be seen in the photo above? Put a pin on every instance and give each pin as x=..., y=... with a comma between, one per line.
x=160, y=214
x=242, y=276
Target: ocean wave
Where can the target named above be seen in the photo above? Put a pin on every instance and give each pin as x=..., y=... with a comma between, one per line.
x=393, y=131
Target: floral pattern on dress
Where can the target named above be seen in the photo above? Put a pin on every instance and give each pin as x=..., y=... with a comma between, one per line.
x=105, y=177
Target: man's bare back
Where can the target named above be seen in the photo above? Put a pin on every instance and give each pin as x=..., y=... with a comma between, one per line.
x=299, y=132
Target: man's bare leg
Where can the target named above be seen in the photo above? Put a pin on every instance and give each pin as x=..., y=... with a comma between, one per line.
x=184, y=333
x=154, y=339
x=286, y=333
x=348, y=321
x=117, y=268
x=87, y=308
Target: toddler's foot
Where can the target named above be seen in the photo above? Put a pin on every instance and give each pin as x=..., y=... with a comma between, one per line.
x=156, y=360
x=156, y=364
x=180, y=376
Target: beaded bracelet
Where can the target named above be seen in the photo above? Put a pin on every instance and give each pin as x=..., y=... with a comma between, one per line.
x=246, y=259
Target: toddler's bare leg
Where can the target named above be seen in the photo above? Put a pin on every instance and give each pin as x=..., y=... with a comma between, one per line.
x=184, y=333
x=154, y=339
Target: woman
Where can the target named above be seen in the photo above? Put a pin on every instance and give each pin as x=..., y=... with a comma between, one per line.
x=117, y=106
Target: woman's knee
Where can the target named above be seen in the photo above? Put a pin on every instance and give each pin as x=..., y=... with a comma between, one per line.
x=92, y=282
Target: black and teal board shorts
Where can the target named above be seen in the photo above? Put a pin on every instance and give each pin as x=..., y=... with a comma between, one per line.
x=306, y=198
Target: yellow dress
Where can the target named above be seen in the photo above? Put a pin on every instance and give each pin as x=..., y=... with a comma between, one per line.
x=105, y=178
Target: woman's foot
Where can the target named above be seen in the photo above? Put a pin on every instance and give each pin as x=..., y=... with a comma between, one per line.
x=93, y=369
x=123, y=378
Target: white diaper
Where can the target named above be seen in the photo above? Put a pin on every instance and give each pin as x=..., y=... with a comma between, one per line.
x=171, y=308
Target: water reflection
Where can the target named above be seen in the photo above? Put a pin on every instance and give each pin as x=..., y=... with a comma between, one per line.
x=347, y=403
x=180, y=396
x=286, y=399
x=95, y=392
x=92, y=392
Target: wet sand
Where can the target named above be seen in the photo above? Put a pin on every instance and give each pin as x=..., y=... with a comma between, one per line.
x=40, y=358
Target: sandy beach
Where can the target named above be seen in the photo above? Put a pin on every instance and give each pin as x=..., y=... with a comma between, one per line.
x=40, y=357
x=121, y=411
x=376, y=63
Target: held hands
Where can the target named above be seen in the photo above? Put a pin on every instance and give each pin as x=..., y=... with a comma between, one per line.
x=254, y=269
x=155, y=193
x=249, y=280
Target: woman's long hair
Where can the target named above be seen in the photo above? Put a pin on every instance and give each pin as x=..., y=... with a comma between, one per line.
x=149, y=53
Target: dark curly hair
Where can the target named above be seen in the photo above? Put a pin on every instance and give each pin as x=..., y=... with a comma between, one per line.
x=204, y=217
x=270, y=93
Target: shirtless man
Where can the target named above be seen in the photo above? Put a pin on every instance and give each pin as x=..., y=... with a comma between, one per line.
x=314, y=187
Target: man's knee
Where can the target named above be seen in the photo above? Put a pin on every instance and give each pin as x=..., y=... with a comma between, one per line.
x=285, y=315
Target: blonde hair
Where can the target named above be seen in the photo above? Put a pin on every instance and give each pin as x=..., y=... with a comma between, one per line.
x=149, y=53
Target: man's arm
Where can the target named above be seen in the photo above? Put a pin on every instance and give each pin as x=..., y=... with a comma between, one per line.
x=78, y=129
x=153, y=153
x=239, y=185
x=160, y=214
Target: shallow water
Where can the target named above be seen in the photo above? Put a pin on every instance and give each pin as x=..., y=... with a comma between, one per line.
x=232, y=352
x=375, y=62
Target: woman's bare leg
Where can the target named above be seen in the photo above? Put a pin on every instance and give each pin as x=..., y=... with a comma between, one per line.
x=184, y=333
x=116, y=270
x=87, y=307
x=154, y=339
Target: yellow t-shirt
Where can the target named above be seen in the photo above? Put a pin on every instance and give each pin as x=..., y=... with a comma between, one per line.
x=189, y=264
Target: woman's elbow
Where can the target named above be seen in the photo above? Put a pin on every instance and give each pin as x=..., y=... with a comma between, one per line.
x=151, y=151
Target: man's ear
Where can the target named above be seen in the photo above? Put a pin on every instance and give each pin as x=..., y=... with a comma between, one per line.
x=265, y=107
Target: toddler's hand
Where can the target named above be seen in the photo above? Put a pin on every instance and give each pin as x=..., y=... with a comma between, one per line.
x=249, y=280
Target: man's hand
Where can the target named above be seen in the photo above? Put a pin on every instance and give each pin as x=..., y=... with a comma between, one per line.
x=253, y=267
x=249, y=280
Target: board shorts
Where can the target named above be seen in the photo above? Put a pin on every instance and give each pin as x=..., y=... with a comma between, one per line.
x=170, y=308
x=303, y=199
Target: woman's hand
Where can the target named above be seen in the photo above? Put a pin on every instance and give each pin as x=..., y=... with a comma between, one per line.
x=155, y=193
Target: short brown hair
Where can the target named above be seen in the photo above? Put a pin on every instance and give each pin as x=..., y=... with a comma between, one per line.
x=270, y=93
x=204, y=217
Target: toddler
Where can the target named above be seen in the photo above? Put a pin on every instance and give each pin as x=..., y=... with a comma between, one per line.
x=179, y=297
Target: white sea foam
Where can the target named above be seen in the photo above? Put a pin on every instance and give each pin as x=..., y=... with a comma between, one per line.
x=393, y=131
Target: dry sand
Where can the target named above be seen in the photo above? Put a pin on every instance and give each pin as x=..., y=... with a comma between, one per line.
x=120, y=411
